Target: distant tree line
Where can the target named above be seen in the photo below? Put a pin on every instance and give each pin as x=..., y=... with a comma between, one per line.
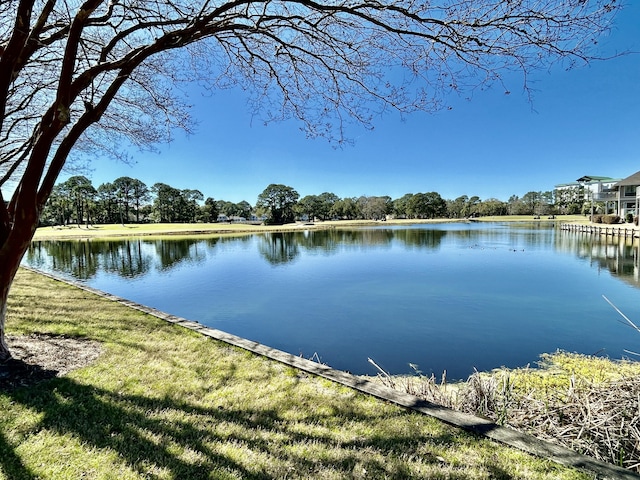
x=128, y=200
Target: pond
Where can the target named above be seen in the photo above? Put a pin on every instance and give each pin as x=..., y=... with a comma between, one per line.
x=448, y=297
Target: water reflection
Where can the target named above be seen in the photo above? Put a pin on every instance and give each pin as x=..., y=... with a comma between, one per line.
x=171, y=253
x=448, y=297
x=427, y=239
x=617, y=255
x=278, y=248
x=83, y=259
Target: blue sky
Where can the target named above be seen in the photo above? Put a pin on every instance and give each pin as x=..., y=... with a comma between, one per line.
x=582, y=122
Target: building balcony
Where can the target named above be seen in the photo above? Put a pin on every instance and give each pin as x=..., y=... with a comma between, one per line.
x=605, y=196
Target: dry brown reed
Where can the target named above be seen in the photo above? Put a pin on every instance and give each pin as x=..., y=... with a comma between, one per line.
x=596, y=418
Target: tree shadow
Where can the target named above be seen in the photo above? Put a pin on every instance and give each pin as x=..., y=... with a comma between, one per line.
x=16, y=373
x=126, y=424
x=11, y=463
x=151, y=434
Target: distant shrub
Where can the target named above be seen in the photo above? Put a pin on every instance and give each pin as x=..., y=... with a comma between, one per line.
x=629, y=218
x=611, y=219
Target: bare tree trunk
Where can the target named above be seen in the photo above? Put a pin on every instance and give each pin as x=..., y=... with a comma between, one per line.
x=9, y=265
x=12, y=249
x=5, y=354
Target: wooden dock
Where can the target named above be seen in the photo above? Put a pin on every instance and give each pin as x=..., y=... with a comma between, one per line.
x=622, y=231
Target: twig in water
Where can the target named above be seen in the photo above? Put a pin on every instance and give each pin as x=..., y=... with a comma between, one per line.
x=387, y=377
x=316, y=358
x=622, y=314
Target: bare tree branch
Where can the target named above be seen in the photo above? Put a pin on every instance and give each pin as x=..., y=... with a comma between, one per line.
x=87, y=74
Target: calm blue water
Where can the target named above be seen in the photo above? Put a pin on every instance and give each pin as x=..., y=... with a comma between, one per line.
x=454, y=297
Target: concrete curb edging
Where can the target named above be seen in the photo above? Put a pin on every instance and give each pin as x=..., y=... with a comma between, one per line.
x=477, y=425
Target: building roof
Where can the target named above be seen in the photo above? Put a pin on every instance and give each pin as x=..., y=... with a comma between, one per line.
x=631, y=180
x=593, y=178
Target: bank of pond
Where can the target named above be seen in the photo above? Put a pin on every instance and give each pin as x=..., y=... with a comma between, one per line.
x=454, y=297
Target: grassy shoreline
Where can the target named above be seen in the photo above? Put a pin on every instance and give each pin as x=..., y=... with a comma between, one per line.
x=164, y=402
x=161, y=402
x=160, y=229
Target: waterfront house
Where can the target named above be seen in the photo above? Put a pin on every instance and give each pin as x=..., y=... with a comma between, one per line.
x=627, y=192
x=600, y=190
x=586, y=189
x=619, y=196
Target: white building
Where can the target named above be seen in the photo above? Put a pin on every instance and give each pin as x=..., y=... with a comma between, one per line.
x=619, y=196
x=627, y=195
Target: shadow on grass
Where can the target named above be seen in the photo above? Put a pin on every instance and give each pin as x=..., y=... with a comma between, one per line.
x=11, y=463
x=183, y=440
x=16, y=373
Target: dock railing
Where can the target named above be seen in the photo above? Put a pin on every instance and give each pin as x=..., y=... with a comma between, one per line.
x=625, y=231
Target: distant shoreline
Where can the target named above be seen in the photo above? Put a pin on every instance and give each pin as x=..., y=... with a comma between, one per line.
x=82, y=232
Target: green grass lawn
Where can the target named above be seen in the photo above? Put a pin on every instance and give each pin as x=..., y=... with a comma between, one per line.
x=117, y=230
x=163, y=402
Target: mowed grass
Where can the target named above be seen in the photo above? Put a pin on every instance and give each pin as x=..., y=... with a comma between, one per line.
x=146, y=229
x=163, y=402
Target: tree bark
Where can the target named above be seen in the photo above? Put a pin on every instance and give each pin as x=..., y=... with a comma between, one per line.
x=5, y=354
x=15, y=238
x=9, y=264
